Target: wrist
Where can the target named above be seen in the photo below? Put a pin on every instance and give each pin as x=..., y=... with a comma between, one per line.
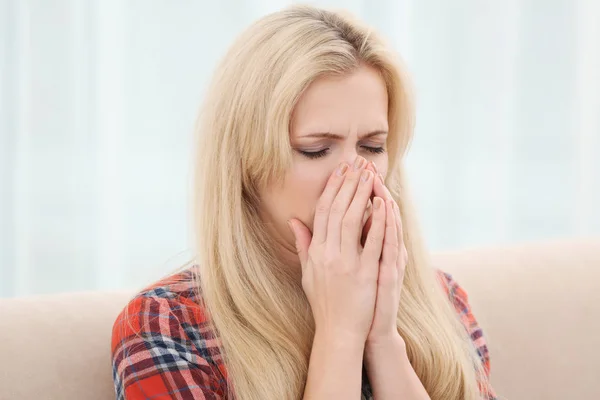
x=339, y=340
x=385, y=344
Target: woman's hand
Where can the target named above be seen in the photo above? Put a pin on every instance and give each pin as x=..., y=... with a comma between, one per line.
x=392, y=266
x=388, y=366
x=339, y=276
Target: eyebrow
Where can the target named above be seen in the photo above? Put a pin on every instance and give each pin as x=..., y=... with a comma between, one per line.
x=329, y=135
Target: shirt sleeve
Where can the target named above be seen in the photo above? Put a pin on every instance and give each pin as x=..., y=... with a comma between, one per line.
x=460, y=300
x=161, y=350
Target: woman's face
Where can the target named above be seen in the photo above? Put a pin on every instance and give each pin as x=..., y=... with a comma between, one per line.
x=337, y=119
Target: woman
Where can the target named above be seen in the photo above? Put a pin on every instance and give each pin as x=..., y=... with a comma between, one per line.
x=309, y=280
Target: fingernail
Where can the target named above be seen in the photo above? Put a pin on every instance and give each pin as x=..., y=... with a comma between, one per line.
x=374, y=166
x=366, y=175
x=377, y=203
x=342, y=169
x=358, y=162
x=381, y=179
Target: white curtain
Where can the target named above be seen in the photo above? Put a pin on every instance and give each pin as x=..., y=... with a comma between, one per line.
x=98, y=100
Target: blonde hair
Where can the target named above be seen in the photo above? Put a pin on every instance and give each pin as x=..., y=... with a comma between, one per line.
x=256, y=304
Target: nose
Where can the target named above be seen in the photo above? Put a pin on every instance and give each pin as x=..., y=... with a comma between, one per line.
x=351, y=156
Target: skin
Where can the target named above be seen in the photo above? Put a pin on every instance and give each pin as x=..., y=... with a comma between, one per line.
x=349, y=106
x=351, y=274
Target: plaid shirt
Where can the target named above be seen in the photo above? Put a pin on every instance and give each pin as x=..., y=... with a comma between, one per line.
x=163, y=348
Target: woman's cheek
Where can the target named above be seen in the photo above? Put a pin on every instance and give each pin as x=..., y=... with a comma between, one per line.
x=303, y=195
x=382, y=164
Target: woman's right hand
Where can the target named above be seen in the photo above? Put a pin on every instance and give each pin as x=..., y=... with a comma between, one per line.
x=339, y=276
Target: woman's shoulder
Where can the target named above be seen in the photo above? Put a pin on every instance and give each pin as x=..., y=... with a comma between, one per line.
x=173, y=299
x=451, y=287
x=167, y=313
x=162, y=341
x=460, y=300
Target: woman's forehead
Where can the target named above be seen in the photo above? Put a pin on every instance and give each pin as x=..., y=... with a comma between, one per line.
x=356, y=103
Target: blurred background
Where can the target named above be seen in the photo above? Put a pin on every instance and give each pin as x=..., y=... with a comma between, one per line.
x=99, y=97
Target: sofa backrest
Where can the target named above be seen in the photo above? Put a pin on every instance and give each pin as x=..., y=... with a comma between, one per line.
x=539, y=306
x=57, y=347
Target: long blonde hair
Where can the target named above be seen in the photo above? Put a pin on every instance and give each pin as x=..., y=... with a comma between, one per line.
x=255, y=304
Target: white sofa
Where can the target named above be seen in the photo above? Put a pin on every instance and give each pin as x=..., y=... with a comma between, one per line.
x=539, y=305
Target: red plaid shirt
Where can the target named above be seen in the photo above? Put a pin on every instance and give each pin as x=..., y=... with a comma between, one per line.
x=163, y=348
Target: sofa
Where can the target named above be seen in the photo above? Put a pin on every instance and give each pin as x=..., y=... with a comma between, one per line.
x=539, y=306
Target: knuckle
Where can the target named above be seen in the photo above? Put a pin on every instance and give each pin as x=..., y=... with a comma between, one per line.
x=330, y=261
x=322, y=208
x=350, y=222
x=337, y=208
x=374, y=238
x=379, y=216
x=310, y=256
x=389, y=282
x=353, y=176
x=393, y=245
x=351, y=181
x=314, y=252
x=402, y=268
x=366, y=276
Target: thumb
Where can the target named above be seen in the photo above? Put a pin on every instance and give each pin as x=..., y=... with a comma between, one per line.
x=303, y=237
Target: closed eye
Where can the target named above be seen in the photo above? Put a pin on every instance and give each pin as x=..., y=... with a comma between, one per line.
x=375, y=150
x=323, y=153
x=314, y=154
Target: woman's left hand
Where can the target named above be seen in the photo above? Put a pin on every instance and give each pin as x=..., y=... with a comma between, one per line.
x=392, y=266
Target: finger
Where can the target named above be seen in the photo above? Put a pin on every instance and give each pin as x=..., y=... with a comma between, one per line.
x=352, y=222
x=403, y=253
x=375, y=237
x=371, y=165
x=340, y=204
x=391, y=247
x=380, y=189
x=368, y=210
x=303, y=238
x=324, y=204
x=366, y=226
